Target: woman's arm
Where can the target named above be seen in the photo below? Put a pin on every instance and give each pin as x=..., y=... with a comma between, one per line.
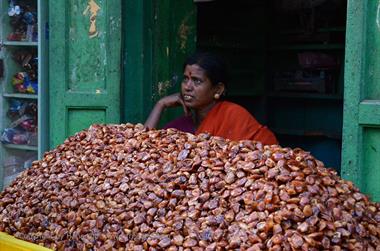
x=154, y=116
x=168, y=101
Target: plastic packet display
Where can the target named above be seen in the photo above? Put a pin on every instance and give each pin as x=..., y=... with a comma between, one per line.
x=15, y=164
x=22, y=83
x=22, y=19
x=25, y=122
x=18, y=108
x=23, y=128
x=15, y=136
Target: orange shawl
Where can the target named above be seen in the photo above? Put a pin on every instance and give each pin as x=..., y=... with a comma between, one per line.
x=231, y=121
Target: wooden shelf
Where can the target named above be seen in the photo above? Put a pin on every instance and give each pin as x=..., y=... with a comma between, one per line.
x=20, y=95
x=11, y=48
x=305, y=133
x=227, y=45
x=21, y=147
x=20, y=43
x=247, y=93
x=308, y=47
x=332, y=29
x=305, y=95
x=243, y=72
x=320, y=30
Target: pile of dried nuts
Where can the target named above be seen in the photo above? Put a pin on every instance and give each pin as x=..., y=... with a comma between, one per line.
x=126, y=187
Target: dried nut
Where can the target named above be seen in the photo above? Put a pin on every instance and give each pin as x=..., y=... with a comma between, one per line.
x=296, y=241
x=189, y=243
x=230, y=178
x=100, y=204
x=303, y=227
x=178, y=240
x=307, y=211
x=165, y=242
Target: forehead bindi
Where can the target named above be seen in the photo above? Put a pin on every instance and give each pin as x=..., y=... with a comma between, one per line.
x=194, y=70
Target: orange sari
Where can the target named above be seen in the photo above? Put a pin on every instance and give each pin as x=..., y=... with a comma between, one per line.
x=231, y=121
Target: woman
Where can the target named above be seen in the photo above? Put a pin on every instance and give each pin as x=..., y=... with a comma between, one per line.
x=204, y=83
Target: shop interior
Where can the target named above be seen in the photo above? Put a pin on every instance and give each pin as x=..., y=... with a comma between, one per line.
x=286, y=60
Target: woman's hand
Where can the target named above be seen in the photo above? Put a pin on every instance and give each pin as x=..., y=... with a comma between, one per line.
x=172, y=101
x=165, y=102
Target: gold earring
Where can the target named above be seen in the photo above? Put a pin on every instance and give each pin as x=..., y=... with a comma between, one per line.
x=216, y=96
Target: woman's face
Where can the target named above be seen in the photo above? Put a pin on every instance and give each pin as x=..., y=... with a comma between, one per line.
x=196, y=89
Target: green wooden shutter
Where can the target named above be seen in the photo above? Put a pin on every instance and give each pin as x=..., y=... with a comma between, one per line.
x=174, y=39
x=361, y=128
x=158, y=36
x=84, y=72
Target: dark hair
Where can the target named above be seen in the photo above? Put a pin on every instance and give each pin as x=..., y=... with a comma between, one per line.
x=214, y=66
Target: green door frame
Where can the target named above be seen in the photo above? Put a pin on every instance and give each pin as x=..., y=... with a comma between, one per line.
x=156, y=41
x=361, y=122
x=137, y=63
